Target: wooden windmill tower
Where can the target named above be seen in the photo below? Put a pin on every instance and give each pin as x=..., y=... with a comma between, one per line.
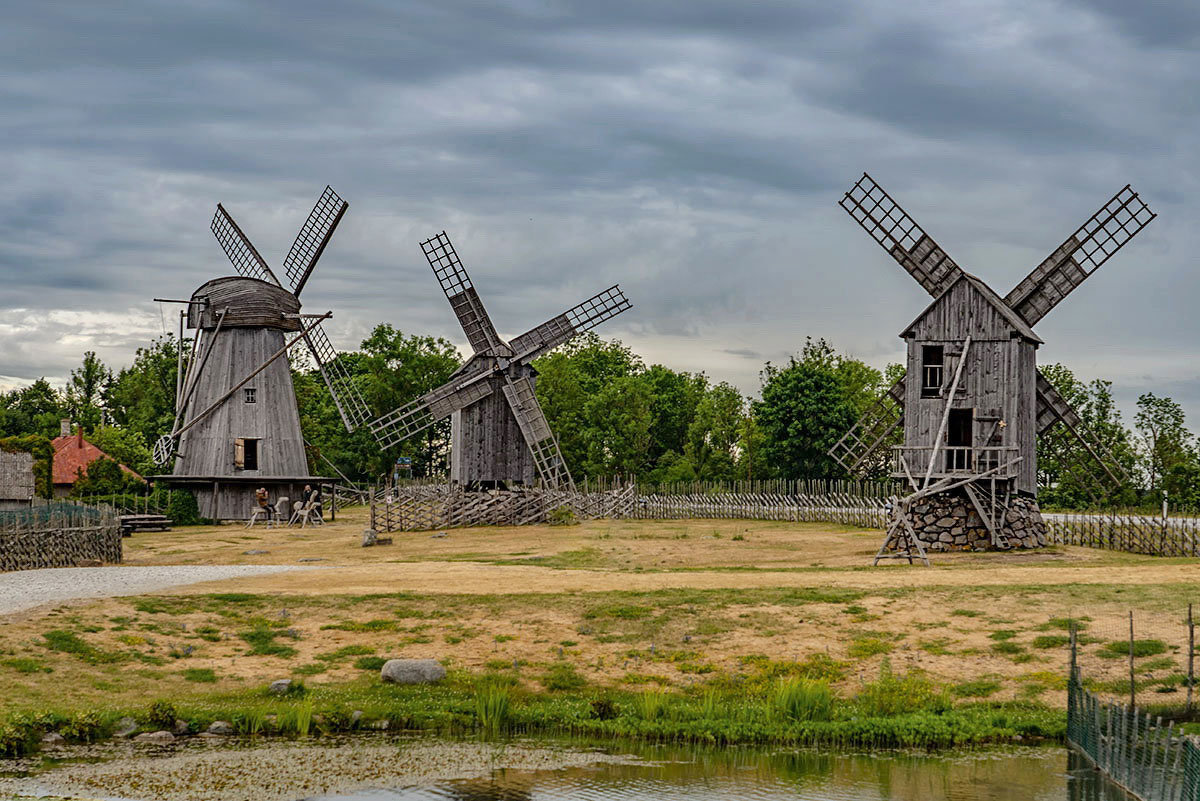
x=237, y=427
x=499, y=434
x=972, y=404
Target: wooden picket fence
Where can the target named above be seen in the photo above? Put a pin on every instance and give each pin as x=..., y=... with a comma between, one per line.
x=1156, y=536
x=425, y=505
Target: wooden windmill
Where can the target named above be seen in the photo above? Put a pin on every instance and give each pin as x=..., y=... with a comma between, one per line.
x=237, y=427
x=499, y=435
x=972, y=403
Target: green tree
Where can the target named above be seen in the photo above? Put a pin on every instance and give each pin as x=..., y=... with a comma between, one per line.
x=85, y=391
x=1064, y=466
x=617, y=429
x=105, y=477
x=35, y=409
x=715, y=433
x=807, y=406
x=1163, y=439
x=141, y=398
x=124, y=446
x=569, y=379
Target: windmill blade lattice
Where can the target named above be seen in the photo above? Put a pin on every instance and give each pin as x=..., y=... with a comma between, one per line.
x=898, y=234
x=244, y=257
x=313, y=237
x=856, y=450
x=346, y=397
x=1102, y=235
x=393, y=428
x=465, y=301
x=574, y=321
x=546, y=454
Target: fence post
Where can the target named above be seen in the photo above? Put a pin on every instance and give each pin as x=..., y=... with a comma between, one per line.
x=1132, y=680
x=1191, y=658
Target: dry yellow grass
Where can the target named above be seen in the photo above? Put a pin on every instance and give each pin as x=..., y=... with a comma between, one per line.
x=629, y=602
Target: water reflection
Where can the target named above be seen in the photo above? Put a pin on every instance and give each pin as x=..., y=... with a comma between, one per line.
x=745, y=775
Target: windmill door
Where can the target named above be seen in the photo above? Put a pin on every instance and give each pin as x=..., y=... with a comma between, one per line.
x=958, y=440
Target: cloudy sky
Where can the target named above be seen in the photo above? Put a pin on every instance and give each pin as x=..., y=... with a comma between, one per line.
x=693, y=151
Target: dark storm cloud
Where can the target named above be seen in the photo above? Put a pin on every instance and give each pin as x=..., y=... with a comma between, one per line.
x=693, y=151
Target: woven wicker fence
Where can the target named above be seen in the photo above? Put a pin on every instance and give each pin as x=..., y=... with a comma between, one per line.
x=59, y=535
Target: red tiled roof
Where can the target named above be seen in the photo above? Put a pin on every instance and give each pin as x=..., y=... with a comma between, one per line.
x=73, y=454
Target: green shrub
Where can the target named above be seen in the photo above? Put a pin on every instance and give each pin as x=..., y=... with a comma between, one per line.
x=162, y=715
x=85, y=727
x=803, y=699
x=17, y=738
x=562, y=516
x=900, y=694
x=562, y=677
x=603, y=709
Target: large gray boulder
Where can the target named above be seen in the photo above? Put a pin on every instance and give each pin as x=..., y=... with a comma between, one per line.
x=412, y=671
x=155, y=738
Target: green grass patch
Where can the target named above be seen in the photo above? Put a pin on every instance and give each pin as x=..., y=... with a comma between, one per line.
x=369, y=662
x=26, y=665
x=1118, y=649
x=1045, y=641
x=262, y=642
x=562, y=677
x=980, y=688
x=865, y=647
x=200, y=675
x=70, y=643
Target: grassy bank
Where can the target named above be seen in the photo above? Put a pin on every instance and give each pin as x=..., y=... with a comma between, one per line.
x=776, y=705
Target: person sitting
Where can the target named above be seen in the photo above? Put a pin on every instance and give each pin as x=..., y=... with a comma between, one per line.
x=263, y=509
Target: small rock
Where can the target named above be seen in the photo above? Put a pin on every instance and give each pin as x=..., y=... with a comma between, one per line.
x=220, y=727
x=254, y=552
x=412, y=671
x=53, y=738
x=280, y=686
x=439, y=535
x=356, y=717
x=368, y=537
x=182, y=729
x=155, y=738
x=312, y=559
x=380, y=725
x=126, y=727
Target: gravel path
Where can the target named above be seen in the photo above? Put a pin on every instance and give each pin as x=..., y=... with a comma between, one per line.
x=25, y=589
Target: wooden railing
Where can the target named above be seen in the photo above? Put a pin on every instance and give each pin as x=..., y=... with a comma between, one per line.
x=954, y=461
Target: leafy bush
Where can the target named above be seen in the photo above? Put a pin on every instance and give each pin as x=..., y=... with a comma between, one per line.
x=900, y=694
x=803, y=700
x=162, y=715
x=562, y=516
x=85, y=727
x=604, y=709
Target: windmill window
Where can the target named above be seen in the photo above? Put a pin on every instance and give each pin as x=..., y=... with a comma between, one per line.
x=933, y=362
x=245, y=453
x=251, y=395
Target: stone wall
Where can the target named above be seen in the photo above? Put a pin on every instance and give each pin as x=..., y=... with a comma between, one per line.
x=949, y=522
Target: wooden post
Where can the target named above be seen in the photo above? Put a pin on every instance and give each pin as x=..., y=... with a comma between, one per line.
x=1191, y=658
x=1132, y=680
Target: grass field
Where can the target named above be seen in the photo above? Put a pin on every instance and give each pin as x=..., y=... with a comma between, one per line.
x=626, y=605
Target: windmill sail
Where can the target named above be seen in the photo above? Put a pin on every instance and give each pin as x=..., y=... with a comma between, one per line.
x=313, y=237
x=1061, y=430
x=465, y=301
x=574, y=321
x=395, y=427
x=898, y=234
x=346, y=397
x=1102, y=235
x=242, y=254
x=863, y=449
x=532, y=421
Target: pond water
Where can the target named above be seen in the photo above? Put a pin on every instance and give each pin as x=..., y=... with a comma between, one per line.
x=375, y=768
x=1028, y=774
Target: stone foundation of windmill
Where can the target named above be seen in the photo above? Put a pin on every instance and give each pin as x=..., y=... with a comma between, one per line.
x=948, y=522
